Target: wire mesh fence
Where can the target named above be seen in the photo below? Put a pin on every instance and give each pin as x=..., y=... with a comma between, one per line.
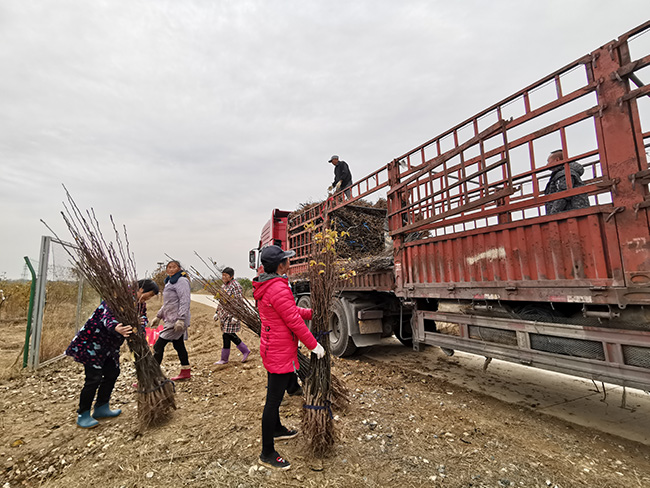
x=62, y=303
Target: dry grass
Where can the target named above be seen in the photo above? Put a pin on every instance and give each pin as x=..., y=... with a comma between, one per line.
x=59, y=327
x=59, y=318
x=11, y=348
x=16, y=294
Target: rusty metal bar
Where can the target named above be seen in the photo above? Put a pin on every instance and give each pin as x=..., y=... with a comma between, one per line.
x=523, y=205
x=629, y=68
x=472, y=205
x=581, y=61
x=453, y=185
x=433, y=163
x=622, y=39
x=629, y=376
x=639, y=92
x=622, y=336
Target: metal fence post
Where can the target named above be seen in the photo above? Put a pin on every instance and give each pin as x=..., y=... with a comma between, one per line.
x=30, y=309
x=35, y=349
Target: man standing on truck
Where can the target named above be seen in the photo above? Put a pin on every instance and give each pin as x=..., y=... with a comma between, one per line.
x=342, y=176
x=557, y=183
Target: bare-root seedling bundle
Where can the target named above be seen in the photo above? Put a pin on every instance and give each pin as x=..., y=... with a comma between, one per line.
x=317, y=418
x=361, y=226
x=110, y=269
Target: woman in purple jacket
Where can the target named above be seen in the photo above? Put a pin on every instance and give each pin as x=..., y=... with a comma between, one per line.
x=282, y=326
x=175, y=313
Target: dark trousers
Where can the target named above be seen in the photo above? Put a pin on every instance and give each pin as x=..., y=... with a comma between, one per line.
x=228, y=337
x=179, y=345
x=276, y=386
x=293, y=385
x=99, y=381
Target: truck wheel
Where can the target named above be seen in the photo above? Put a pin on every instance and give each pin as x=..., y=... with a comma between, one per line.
x=341, y=343
x=406, y=338
x=305, y=302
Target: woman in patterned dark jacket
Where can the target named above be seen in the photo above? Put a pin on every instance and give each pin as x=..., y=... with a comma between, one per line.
x=97, y=347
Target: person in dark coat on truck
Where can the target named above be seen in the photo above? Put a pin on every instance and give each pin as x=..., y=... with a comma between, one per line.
x=557, y=183
x=342, y=176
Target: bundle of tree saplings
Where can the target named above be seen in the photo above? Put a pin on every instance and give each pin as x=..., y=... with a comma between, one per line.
x=110, y=269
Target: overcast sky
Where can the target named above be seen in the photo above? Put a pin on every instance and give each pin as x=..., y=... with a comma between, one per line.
x=189, y=121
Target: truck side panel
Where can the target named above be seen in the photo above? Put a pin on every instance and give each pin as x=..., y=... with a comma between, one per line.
x=529, y=261
x=471, y=230
x=472, y=213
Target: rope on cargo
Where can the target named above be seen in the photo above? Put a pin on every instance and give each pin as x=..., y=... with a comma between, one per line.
x=322, y=334
x=327, y=406
x=159, y=387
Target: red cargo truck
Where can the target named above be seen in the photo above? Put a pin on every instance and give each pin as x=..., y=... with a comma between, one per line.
x=477, y=263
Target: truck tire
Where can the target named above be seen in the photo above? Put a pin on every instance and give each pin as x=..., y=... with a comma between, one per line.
x=341, y=342
x=305, y=302
x=407, y=338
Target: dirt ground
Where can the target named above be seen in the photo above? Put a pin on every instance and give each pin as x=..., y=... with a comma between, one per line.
x=401, y=429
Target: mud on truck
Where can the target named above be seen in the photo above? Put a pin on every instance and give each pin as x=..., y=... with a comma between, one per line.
x=463, y=254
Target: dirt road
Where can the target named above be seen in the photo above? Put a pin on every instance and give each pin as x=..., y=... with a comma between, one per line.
x=575, y=400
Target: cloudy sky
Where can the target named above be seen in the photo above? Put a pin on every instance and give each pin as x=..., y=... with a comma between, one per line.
x=189, y=121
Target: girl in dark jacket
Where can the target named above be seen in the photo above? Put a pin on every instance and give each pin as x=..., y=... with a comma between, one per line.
x=97, y=347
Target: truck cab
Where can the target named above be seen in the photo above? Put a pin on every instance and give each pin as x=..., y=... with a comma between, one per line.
x=274, y=233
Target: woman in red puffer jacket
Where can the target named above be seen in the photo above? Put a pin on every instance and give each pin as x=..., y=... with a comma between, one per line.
x=282, y=327
x=282, y=324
